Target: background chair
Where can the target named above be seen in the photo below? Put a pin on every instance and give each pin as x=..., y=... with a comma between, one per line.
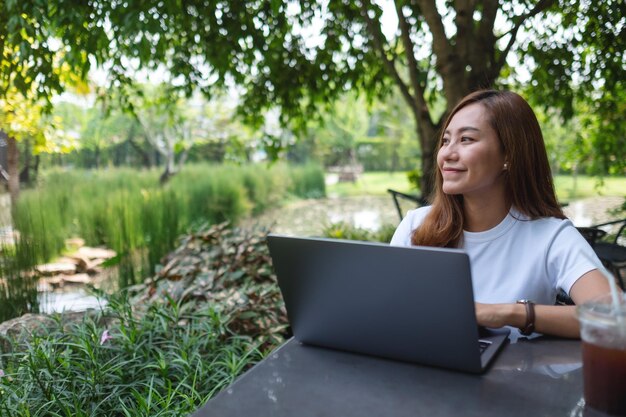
x=608, y=240
x=414, y=201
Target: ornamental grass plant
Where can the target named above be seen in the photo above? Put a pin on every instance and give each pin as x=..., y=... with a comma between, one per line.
x=167, y=361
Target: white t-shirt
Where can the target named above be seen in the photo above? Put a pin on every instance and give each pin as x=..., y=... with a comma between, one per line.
x=519, y=258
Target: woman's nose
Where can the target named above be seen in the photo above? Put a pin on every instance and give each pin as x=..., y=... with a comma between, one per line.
x=448, y=151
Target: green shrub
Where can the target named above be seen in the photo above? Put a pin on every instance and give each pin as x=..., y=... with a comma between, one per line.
x=344, y=230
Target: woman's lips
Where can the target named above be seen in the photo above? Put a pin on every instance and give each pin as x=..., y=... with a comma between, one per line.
x=452, y=170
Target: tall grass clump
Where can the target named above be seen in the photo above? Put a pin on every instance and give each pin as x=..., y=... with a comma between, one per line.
x=166, y=361
x=307, y=182
x=128, y=211
x=18, y=285
x=210, y=194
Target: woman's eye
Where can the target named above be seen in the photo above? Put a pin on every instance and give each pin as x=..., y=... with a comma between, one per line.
x=466, y=139
x=445, y=141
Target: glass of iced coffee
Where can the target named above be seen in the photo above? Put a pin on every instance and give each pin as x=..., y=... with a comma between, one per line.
x=603, y=334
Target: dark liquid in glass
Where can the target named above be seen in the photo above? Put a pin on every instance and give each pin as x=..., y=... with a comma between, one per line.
x=604, y=372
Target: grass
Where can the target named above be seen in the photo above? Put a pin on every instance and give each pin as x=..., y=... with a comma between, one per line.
x=570, y=188
x=567, y=188
x=18, y=285
x=371, y=183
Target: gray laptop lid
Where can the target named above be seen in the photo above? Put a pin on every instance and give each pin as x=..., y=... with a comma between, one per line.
x=408, y=303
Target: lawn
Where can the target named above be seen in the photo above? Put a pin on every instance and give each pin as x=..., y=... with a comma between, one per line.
x=567, y=187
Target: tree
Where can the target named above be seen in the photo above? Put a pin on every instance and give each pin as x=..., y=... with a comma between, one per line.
x=439, y=50
x=338, y=134
x=20, y=119
x=170, y=123
x=31, y=71
x=104, y=127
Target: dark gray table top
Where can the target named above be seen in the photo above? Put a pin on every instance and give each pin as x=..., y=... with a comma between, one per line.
x=540, y=377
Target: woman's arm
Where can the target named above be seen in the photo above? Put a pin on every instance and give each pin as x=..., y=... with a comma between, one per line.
x=549, y=319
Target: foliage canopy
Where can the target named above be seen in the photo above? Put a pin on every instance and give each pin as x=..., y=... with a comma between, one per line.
x=300, y=55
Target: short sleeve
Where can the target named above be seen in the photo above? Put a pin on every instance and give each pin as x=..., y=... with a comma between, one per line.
x=570, y=257
x=412, y=220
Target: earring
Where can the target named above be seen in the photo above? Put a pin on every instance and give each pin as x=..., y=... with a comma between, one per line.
x=506, y=166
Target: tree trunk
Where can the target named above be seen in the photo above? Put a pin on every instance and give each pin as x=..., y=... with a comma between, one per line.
x=36, y=167
x=13, y=171
x=465, y=62
x=25, y=177
x=170, y=168
x=143, y=154
x=427, y=135
x=97, y=156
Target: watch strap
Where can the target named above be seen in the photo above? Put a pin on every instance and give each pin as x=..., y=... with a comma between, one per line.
x=529, y=326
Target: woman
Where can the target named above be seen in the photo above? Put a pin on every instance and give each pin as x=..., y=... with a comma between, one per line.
x=495, y=199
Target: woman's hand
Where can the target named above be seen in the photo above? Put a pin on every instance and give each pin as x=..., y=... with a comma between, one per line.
x=499, y=315
x=549, y=319
x=554, y=320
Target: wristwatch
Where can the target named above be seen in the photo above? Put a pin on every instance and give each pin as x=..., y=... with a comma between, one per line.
x=529, y=327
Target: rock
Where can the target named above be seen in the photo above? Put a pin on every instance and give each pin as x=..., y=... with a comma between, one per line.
x=82, y=262
x=76, y=279
x=59, y=281
x=24, y=327
x=95, y=253
x=56, y=268
x=50, y=282
x=75, y=243
x=95, y=265
x=20, y=329
x=44, y=286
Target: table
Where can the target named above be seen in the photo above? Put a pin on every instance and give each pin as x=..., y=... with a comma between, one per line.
x=539, y=377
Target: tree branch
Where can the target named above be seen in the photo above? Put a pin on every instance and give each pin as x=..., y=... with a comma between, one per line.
x=464, y=27
x=490, y=10
x=377, y=38
x=539, y=7
x=484, y=34
x=409, y=48
x=441, y=43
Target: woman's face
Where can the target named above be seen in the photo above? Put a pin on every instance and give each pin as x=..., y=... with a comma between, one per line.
x=471, y=159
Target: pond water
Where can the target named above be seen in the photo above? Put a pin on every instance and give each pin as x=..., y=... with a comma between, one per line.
x=311, y=217
x=73, y=300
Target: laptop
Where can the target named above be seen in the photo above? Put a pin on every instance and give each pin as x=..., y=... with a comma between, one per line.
x=412, y=304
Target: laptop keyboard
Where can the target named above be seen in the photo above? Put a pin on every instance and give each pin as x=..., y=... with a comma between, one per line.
x=483, y=345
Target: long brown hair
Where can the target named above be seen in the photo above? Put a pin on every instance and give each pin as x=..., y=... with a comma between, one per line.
x=528, y=179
